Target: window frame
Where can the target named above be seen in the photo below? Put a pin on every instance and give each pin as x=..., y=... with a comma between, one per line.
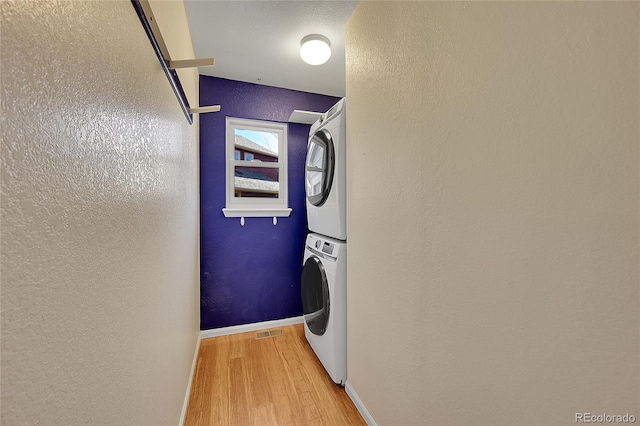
x=256, y=206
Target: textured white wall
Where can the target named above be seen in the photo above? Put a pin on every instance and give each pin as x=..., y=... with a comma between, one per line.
x=100, y=257
x=493, y=210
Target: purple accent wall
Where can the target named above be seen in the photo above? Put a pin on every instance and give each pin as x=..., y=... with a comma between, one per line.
x=252, y=273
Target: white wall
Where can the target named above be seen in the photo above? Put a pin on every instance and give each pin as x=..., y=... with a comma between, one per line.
x=100, y=256
x=493, y=210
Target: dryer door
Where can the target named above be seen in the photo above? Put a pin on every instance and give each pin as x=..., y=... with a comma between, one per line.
x=315, y=296
x=319, y=167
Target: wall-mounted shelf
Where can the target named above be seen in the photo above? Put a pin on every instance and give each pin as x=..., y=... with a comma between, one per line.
x=304, y=117
x=143, y=9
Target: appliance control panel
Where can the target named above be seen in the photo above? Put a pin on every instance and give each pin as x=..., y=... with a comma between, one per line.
x=327, y=247
x=321, y=245
x=324, y=246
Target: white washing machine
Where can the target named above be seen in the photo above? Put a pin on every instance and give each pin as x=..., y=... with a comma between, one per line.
x=324, y=302
x=326, y=174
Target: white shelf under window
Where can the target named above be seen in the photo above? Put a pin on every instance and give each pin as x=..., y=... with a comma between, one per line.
x=256, y=212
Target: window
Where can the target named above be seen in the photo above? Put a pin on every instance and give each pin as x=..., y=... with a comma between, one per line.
x=256, y=157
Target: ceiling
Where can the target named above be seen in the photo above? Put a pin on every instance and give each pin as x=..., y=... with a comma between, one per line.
x=259, y=41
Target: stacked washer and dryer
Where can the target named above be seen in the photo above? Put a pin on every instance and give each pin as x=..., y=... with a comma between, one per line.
x=324, y=275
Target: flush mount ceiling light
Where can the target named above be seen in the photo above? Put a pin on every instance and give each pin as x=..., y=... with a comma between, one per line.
x=315, y=49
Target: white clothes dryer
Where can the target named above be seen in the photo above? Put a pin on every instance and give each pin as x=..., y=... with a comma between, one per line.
x=324, y=302
x=326, y=174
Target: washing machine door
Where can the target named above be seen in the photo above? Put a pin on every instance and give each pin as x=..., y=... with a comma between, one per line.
x=319, y=167
x=315, y=296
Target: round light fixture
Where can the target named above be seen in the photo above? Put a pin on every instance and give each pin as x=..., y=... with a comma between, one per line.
x=315, y=49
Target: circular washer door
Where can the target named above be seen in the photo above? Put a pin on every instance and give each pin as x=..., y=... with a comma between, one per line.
x=319, y=168
x=315, y=296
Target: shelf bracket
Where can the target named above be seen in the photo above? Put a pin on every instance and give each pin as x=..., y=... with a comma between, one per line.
x=192, y=63
x=205, y=109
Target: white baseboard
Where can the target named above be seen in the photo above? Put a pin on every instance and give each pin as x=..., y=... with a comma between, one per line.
x=235, y=329
x=185, y=404
x=366, y=415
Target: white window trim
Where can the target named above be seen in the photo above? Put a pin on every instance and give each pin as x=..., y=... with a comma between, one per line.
x=256, y=207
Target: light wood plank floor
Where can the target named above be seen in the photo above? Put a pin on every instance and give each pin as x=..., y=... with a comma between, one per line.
x=241, y=380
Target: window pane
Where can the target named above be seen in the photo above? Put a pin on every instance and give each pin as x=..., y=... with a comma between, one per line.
x=262, y=145
x=256, y=182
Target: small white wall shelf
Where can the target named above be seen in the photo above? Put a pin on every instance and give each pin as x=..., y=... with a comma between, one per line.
x=240, y=212
x=304, y=117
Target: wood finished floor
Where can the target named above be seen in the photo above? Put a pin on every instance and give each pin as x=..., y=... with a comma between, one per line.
x=241, y=380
